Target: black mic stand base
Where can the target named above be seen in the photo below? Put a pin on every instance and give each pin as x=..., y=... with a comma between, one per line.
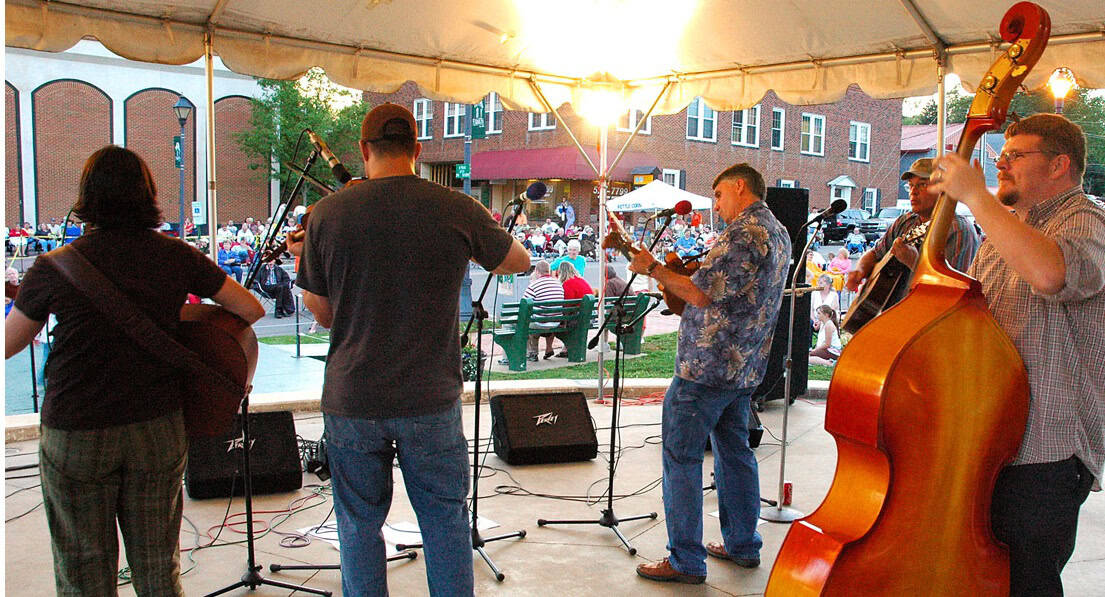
x=608, y=520
x=252, y=577
x=402, y=555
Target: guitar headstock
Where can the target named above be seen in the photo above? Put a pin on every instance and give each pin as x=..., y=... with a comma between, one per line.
x=617, y=238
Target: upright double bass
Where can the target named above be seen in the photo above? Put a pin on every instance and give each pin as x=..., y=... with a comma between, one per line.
x=928, y=402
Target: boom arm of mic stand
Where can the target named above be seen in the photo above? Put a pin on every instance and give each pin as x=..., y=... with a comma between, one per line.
x=621, y=298
x=255, y=267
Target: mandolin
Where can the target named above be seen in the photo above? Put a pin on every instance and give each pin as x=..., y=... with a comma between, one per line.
x=927, y=403
x=885, y=286
x=617, y=239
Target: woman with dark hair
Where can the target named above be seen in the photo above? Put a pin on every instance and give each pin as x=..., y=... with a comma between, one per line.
x=113, y=443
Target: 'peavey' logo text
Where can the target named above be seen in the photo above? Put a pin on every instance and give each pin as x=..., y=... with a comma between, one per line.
x=546, y=419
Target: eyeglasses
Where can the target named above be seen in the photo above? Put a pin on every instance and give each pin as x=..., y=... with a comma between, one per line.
x=921, y=185
x=1011, y=156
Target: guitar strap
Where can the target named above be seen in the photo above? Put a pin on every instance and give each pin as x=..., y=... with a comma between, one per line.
x=116, y=307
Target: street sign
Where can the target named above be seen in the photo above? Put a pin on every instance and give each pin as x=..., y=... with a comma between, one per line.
x=199, y=213
x=464, y=170
x=479, y=121
x=178, y=152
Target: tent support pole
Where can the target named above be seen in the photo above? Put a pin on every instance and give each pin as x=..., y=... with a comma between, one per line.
x=941, y=108
x=212, y=203
x=550, y=108
x=640, y=123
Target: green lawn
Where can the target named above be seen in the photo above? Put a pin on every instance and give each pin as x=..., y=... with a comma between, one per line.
x=659, y=354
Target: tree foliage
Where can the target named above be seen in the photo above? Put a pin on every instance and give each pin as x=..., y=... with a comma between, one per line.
x=276, y=138
x=1082, y=107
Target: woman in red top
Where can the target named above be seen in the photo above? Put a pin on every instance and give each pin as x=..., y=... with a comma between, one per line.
x=574, y=284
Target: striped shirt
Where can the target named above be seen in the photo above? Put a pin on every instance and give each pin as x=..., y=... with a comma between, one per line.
x=544, y=288
x=1059, y=336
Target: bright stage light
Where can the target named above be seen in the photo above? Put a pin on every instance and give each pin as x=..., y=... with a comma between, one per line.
x=1061, y=82
x=601, y=105
x=626, y=38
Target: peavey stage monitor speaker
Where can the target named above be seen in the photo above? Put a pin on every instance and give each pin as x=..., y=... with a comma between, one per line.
x=214, y=463
x=542, y=428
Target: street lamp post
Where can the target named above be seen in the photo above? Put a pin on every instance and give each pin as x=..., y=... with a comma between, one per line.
x=182, y=108
x=1061, y=82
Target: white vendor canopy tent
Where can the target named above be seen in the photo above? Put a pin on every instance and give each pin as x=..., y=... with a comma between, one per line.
x=657, y=195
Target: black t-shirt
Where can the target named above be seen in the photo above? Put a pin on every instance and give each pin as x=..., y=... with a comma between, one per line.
x=390, y=254
x=97, y=377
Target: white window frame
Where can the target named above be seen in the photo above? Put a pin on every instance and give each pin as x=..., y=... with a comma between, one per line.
x=841, y=192
x=632, y=117
x=494, y=112
x=782, y=114
x=746, y=127
x=424, y=117
x=454, y=116
x=695, y=111
x=542, y=122
x=871, y=200
x=675, y=175
x=813, y=134
x=787, y=183
x=862, y=152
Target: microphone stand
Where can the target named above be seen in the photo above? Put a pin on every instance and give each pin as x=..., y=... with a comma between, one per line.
x=479, y=315
x=279, y=218
x=608, y=519
x=781, y=513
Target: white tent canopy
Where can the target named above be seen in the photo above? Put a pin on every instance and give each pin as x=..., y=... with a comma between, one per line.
x=727, y=51
x=657, y=195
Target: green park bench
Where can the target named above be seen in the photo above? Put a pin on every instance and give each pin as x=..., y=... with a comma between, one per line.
x=572, y=321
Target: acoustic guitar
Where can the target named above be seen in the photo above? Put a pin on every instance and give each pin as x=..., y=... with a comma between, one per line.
x=226, y=344
x=618, y=239
x=884, y=286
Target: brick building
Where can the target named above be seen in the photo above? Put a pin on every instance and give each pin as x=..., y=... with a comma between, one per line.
x=848, y=150
x=61, y=107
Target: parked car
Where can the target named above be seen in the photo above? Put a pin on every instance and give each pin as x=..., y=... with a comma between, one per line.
x=874, y=228
x=836, y=228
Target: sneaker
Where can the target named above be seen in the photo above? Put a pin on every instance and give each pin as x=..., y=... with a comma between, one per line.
x=663, y=572
x=718, y=551
x=532, y=357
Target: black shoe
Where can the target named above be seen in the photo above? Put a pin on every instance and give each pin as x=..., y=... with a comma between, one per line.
x=532, y=357
x=562, y=354
x=277, y=315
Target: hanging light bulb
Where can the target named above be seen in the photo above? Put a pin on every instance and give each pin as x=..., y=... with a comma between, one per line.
x=1061, y=82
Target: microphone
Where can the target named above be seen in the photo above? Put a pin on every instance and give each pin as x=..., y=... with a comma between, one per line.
x=834, y=208
x=336, y=167
x=533, y=192
x=682, y=208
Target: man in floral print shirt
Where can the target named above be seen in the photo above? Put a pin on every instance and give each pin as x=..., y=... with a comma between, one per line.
x=724, y=340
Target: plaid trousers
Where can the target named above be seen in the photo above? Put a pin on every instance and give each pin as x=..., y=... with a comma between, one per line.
x=127, y=475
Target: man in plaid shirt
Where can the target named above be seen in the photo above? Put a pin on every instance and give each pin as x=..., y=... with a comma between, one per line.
x=1042, y=269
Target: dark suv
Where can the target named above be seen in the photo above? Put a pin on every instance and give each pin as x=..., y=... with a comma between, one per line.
x=836, y=228
x=874, y=228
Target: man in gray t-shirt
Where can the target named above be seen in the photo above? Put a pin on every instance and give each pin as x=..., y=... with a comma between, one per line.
x=382, y=265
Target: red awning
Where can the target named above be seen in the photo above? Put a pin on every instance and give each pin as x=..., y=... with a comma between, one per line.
x=551, y=162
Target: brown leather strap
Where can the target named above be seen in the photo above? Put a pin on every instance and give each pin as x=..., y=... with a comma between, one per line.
x=117, y=308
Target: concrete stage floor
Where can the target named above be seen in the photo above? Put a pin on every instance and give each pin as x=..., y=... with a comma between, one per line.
x=552, y=560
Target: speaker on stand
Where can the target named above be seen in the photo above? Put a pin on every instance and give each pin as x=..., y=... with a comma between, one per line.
x=791, y=208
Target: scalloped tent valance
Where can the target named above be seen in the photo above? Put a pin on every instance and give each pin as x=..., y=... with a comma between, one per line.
x=727, y=51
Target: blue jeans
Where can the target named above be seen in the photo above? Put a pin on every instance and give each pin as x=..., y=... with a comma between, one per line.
x=693, y=412
x=433, y=455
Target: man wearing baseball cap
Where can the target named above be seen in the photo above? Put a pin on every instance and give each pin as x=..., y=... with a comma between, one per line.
x=393, y=383
x=962, y=241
